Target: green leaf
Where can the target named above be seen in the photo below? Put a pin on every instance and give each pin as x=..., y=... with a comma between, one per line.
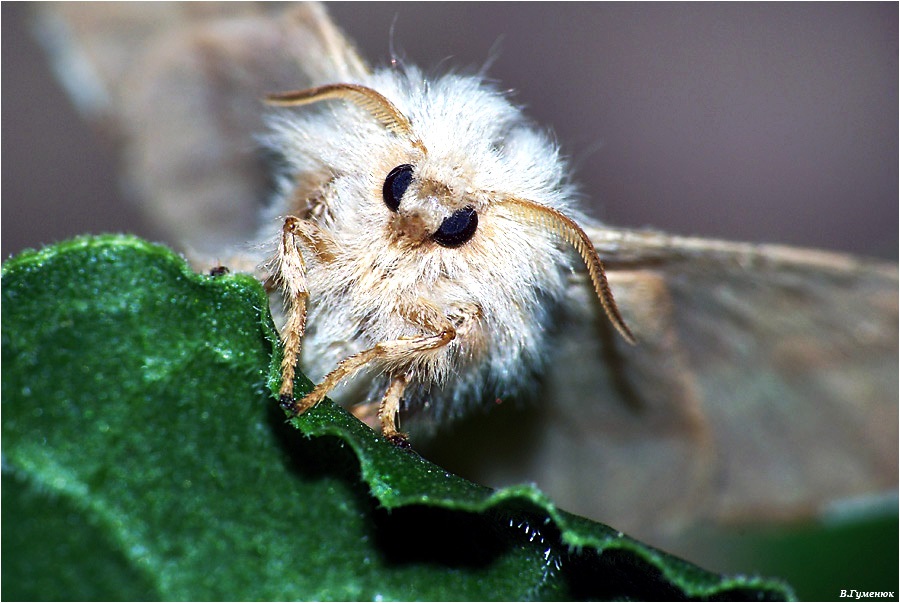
x=144, y=457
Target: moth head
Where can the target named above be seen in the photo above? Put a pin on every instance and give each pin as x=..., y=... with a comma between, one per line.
x=426, y=208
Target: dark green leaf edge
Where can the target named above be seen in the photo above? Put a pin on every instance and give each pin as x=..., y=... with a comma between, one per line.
x=432, y=485
x=576, y=533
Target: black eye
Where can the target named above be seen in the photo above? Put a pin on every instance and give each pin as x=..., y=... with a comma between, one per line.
x=458, y=228
x=395, y=185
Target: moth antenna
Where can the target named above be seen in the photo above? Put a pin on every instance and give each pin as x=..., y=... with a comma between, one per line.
x=567, y=229
x=375, y=103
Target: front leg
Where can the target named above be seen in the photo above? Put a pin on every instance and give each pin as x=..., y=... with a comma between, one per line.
x=397, y=351
x=291, y=275
x=389, y=409
x=385, y=411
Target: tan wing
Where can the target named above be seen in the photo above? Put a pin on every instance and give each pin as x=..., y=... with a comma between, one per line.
x=181, y=87
x=764, y=387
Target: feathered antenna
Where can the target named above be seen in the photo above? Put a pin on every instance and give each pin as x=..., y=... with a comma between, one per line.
x=366, y=98
x=567, y=229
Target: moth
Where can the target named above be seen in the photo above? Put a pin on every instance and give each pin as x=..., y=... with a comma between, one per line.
x=421, y=251
x=763, y=382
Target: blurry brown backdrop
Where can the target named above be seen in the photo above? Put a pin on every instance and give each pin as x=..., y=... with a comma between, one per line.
x=760, y=122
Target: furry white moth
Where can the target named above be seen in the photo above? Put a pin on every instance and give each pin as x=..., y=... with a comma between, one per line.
x=424, y=241
x=758, y=366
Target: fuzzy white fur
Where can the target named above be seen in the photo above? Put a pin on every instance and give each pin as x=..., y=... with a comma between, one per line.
x=480, y=150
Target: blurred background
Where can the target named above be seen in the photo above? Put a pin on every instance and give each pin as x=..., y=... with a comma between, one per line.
x=759, y=122
x=770, y=122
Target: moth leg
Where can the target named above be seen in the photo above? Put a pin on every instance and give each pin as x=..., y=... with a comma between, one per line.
x=290, y=276
x=397, y=351
x=291, y=272
x=390, y=408
x=373, y=413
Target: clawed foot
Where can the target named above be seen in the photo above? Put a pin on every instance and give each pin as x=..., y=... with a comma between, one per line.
x=288, y=403
x=400, y=440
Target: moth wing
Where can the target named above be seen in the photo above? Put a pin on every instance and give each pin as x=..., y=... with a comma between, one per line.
x=764, y=385
x=180, y=87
